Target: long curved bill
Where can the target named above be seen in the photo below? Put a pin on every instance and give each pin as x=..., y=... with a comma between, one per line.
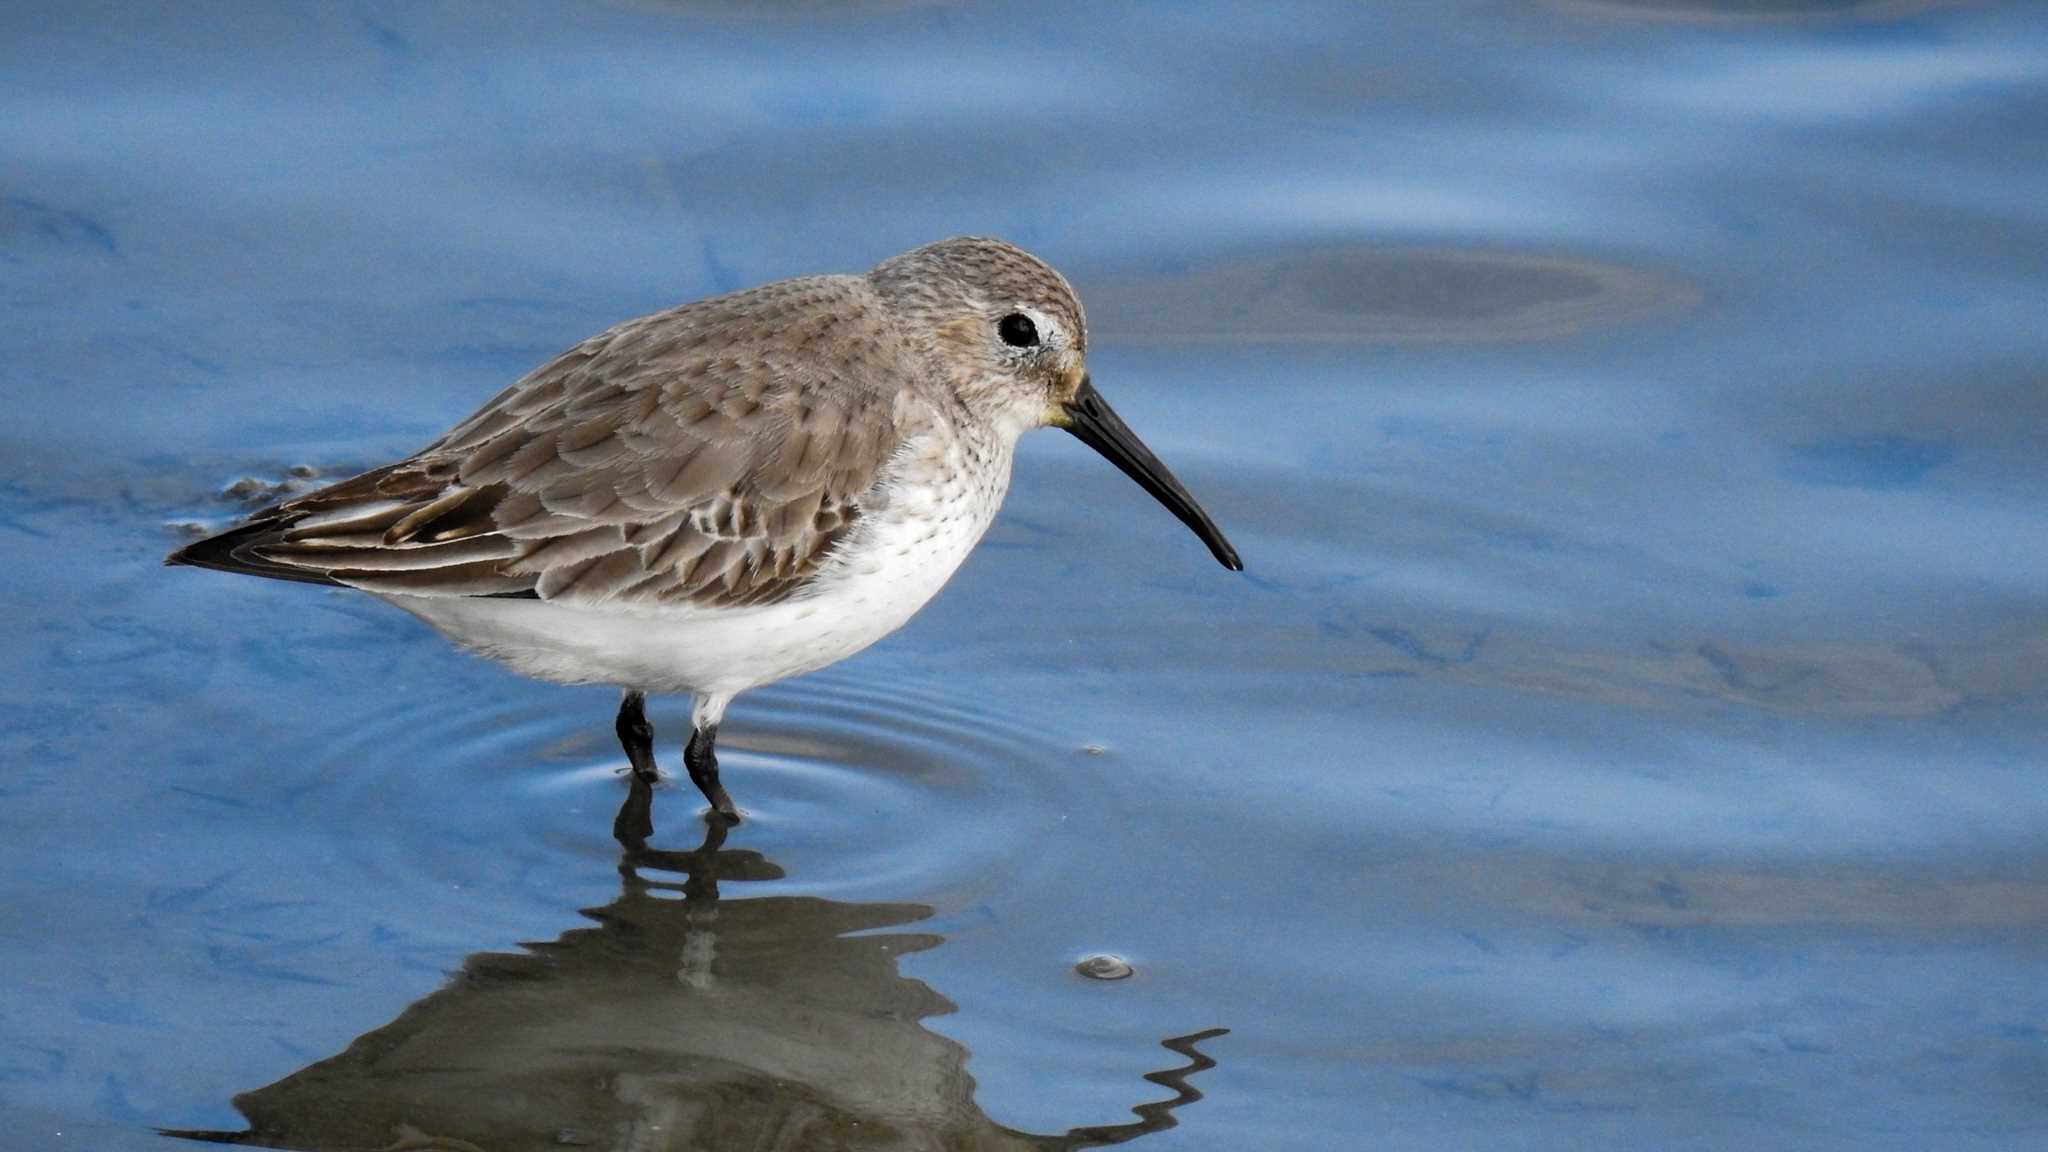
x=1096, y=424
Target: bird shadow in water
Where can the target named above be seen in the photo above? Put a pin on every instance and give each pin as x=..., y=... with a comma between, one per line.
x=680, y=1020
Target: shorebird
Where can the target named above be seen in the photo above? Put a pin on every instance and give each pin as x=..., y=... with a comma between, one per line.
x=724, y=494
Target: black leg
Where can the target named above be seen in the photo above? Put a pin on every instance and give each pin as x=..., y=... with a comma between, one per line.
x=701, y=758
x=637, y=735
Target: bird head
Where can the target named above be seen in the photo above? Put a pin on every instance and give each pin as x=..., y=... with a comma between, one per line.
x=1013, y=341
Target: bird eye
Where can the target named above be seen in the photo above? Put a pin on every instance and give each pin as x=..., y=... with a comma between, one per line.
x=1017, y=330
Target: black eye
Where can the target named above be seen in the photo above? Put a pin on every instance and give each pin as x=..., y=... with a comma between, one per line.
x=1017, y=330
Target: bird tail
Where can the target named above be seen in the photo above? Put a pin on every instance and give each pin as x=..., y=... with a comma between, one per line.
x=239, y=549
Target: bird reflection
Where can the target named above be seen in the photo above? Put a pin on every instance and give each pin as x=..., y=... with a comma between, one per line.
x=680, y=1021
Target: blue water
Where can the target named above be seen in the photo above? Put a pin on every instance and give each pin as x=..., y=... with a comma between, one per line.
x=1629, y=732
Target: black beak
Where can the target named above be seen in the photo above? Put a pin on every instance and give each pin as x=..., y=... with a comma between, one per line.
x=1096, y=424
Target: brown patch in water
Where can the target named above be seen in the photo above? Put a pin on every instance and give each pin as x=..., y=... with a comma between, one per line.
x=781, y=9
x=1382, y=296
x=1753, y=11
x=1840, y=679
x=1693, y=897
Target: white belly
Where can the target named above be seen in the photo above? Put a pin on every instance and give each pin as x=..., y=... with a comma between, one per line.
x=897, y=560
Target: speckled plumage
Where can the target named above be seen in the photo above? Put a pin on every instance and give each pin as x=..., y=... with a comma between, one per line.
x=719, y=495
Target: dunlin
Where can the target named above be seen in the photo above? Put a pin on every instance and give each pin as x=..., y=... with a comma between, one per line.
x=724, y=494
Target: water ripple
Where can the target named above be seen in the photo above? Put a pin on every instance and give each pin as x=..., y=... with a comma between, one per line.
x=897, y=792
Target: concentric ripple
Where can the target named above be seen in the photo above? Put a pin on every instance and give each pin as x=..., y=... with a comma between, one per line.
x=854, y=790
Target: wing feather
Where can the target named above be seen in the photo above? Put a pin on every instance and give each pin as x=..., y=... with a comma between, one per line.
x=712, y=454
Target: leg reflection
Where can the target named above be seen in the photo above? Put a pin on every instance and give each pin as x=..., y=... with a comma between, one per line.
x=634, y=825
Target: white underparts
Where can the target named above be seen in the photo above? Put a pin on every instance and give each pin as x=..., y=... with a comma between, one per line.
x=939, y=497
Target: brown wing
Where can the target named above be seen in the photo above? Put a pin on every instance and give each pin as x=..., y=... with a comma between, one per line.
x=711, y=454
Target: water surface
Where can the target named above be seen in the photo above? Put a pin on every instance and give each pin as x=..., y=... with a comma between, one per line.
x=1628, y=732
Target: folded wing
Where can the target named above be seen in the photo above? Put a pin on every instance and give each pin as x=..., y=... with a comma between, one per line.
x=708, y=455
